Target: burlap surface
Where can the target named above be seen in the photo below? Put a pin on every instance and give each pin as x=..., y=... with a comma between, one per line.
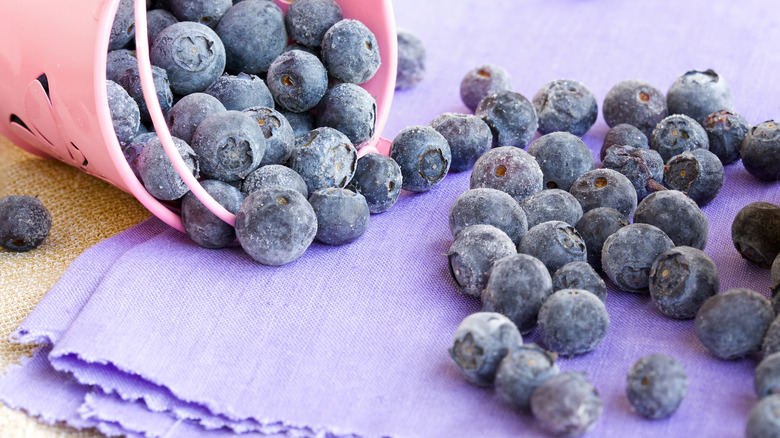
x=84, y=210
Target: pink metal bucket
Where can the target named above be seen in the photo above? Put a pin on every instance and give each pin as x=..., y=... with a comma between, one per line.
x=67, y=41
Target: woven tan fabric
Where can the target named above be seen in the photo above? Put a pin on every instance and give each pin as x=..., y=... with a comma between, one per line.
x=84, y=210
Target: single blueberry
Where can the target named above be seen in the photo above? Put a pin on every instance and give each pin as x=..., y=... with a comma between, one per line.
x=481, y=81
x=297, y=80
x=308, y=20
x=481, y=342
x=676, y=215
x=279, y=135
x=521, y=372
x=510, y=116
x=350, y=52
x=580, y=275
x=205, y=12
x=411, y=60
x=732, y=324
x=698, y=94
x=595, y=226
x=605, y=188
x=509, y=169
x=24, y=223
x=761, y=151
x=132, y=151
x=123, y=27
x=555, y=243
x=240, y=92
x=767, y=378
x=254, y=34
x=517, y=286
x=725, y=131
x=636, y=103
x=273, y=175
x=342, y=215
x=125, y=116
x=764, y=418
x=301, y=123
x=697, y=173
x=628, y=255
x=489, y=207
x=623, y=135
x=203, y=226
x=676, y=134
x=681, y=280
x=563, y=157
x=378, y=178
x=656, y=386
x=185, y=116
x=117, y=61
x=423, y=155
x=572, y=322
x=275, y=225
x=472, y=254
x=469, y=138
x=230, y=145
x=566, y=404
x=157, y=173
x=565, y=105
x=551, y=205
x=156, y=21
x=350, y=109
x=643, y=167
x=756, y=233
x=324, y=158
x=131, y=82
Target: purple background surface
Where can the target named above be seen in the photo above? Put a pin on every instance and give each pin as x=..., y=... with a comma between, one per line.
x=353, y=339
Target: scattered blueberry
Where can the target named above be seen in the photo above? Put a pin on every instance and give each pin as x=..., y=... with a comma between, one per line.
x=123, y=27
x=628, y=255
x=472, y=254
x=636, y=103
x=203, y=226
x=767, y=379
x=565, y=105
x=378, y=178
x=580, y=275
x=205, y=12
x=555, y=243
x=605, y=188
x=676, y=134
x=350, y=109
x=623, y=135
x=677, y=216
x=157, y=173
x=698, y=94
x=595, y=226
x=643, y=167
x=279, y=136
x=572, y=322
x=761, y=151
x=423, y=155
x=411, y=60
x=510, y=116
x=756, y=233
x=681, y=280
x=117, y=61
x=342, y=215
x=350, y=52
x=551, y=205
x=469, y=138
x=308, y=20
x=521, y=371
x=273, y=175
x=240, y=92
x=657, y=384
x=254, y=35
x=230, y=145
x=324, y=158
x=24, y=223
x=489, y=207
x=509, y=169
x=481, y=81
x=563, y=157
x=185, y=116
x=697, y=173
x=566, y=404
x=725, y=131
x=131, y=82
x=764, y=418
x=125, y=116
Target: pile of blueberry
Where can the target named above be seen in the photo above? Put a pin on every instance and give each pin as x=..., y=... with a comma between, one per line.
x=536, y=227
x=270, y=129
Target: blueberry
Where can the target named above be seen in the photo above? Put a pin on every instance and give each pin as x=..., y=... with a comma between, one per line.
x=24, y=223
x=572, y=322
x=732, y=324
x=566, y=404
x=123, y=27
x=301, y=123
x=156, y=21
x=279, y=135
x=275, y=225
x=756, y=233
x=411, y=60
x=771, y=342
x=472, y=254
x=764, y=418
x=509, y=169
x=555, y=243
x=350, y=109
x=623, y=135
x=643, y=167
x=489, y=207
x=677, y=216
x=192, y=55
x=206, y=12
x=697, y=173
x=203, y=226
x=628, y=255
x=761, y=151
x=698, y=94
x=517, y=286
x=342, y=215
x=254, y=35
x=297, y=80
x=767, y=378
x=157, y=173
x=273, y=175
x=125, y=116
x=481, y=341
x=308, y=20
x=189, y=111
x=117, y=61
x=510, y=116
x=681, y=280
x=656, y=386
x=676, y=134
x=131, y=82
x=350, y=52
x=563, y=157
x=468, y=136
x=240, y=92
x=725, y=131
x=565, y=105
x=132, y=151
x=324, y=158
x=423, y=155
x=378, y=178
x=521, y=372
x=636, y=103
x=580, y=275
x=605, y=188
x=481, y=81
x=230, y=145
x=595, y=226
x=551, y=205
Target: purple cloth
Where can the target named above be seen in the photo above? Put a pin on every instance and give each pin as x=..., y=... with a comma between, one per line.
x=170, y=339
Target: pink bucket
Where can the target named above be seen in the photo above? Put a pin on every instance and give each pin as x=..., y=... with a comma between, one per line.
x=68, y=41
